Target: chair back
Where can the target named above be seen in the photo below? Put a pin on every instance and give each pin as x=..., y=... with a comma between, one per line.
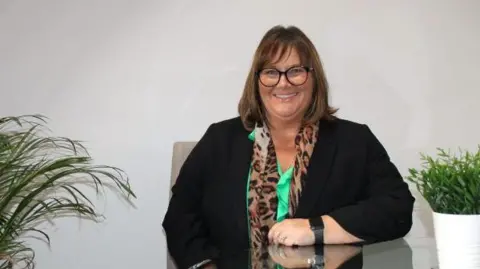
x=181, y=150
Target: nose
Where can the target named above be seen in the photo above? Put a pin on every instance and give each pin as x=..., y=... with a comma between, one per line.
x=283, y=82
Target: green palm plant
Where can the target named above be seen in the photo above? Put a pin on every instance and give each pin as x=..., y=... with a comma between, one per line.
x=41, y=179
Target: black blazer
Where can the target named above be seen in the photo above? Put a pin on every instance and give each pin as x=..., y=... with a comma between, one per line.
x=350, y=178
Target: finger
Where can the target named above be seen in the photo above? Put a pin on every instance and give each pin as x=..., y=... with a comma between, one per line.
x=277, y=240
x=272, y=232
x=275, y=236
x=280, y=238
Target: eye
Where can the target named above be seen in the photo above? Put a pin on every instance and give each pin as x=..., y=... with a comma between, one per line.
x=270, y=72
x=296, y=70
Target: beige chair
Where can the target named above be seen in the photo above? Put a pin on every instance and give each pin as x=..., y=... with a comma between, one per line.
x=181, y=150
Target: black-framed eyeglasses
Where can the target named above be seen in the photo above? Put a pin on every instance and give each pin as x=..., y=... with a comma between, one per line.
x=295, y=75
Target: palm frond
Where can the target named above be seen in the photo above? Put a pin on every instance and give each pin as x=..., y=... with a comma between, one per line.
x=40, y=179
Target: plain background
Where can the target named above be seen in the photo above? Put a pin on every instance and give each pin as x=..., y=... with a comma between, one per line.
x=132, y=77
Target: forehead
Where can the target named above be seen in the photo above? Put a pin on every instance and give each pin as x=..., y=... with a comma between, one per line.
x=283, y=56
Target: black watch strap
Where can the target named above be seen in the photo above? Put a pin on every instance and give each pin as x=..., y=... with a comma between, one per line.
x=317, y=226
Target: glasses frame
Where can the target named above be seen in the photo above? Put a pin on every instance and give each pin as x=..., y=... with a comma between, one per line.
x=284, y=73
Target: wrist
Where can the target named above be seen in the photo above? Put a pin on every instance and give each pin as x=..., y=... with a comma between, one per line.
x=317, y=226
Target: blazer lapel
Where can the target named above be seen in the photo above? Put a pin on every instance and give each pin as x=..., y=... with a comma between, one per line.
x=238, y=169
x=318, y=171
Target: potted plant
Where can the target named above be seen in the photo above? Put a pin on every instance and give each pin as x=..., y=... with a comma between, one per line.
x=450, y=183
x=43, y=178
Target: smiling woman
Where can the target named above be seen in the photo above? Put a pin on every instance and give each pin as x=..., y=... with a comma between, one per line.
x=287, y=171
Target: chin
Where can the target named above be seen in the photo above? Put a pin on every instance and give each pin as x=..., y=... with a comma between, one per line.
x=287, y=115
x=284, y=111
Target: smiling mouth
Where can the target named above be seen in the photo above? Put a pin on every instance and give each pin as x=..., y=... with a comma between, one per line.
x=285, y=96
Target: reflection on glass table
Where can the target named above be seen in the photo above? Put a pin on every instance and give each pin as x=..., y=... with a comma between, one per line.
x=391, y=255
x=328, y=257
x=282, y=257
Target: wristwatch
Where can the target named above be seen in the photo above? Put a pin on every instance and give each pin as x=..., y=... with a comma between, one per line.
x=317, y=226
x=316, y=262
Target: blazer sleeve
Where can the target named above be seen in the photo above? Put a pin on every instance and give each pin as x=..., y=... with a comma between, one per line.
x=186, y=233
x=386, y=211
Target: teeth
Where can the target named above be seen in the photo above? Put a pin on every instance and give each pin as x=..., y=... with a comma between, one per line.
x=284, y=96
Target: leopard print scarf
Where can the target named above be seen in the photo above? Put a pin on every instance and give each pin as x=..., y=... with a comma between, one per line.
x=262, y=195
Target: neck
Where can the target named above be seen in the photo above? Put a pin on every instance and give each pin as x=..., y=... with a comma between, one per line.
x=284, y=129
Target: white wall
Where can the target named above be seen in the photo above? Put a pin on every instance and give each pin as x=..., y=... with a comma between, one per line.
x=132, y=77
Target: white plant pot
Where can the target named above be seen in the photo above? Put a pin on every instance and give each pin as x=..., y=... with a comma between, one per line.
x=458, y=240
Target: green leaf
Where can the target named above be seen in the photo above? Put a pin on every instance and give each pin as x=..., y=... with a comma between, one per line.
x=40, y=177
x=449, y=181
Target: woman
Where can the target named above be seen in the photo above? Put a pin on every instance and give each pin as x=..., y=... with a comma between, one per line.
x=287, y=170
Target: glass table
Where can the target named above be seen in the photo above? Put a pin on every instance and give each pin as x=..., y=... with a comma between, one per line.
x=400, y=254
x=407, y=253
x=415, y=251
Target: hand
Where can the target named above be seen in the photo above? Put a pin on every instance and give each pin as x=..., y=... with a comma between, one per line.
x=291, y=257
x=290, y=232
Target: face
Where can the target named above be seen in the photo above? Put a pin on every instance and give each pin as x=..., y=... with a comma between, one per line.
x=286, y=101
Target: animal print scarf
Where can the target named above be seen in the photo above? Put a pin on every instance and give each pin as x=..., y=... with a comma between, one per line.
x=262, y=195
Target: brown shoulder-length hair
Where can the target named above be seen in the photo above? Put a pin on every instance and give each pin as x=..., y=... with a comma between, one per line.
x=284, y=39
